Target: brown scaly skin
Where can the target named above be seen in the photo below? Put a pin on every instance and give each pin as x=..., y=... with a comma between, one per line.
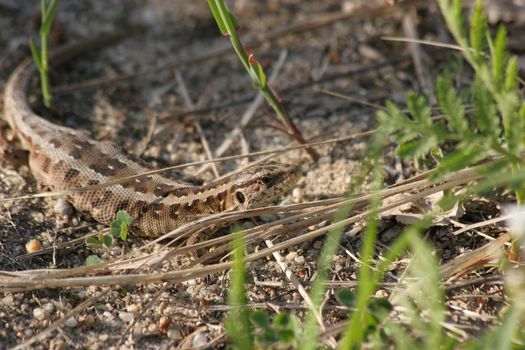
x=63, y=158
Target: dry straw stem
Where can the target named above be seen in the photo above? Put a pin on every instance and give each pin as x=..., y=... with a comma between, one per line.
x=79, y=276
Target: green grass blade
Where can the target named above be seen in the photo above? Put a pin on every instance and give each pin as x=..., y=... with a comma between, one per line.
x=48, y=17
x=217, y=15
x=478, y=31
x=238, y=321
x=36, y=55
x=499, y=56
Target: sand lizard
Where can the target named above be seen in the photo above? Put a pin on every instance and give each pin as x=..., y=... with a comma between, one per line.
x=63, y=158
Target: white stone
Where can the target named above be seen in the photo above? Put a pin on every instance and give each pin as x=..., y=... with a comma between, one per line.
x=71, y=322
x=39, y=313
x=133, y=308
x=62, y=207
x=200, y=340
x=126, y=316
x=299, y=260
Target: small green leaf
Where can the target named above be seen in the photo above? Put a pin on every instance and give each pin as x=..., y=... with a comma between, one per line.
x=511, y=74
x=286, y=326
x=48, y=17
x=36, y=55
x=282, y=320
x=448, y=201
x=260, y=319
x=93, y=260
x=451, y=104
x=286, y=336
x=419, y=109
x=416, y=148
x=345, y=297
x=123, y=231
x=257, y=74
x=123, y=216
x=92, y=242
x=484, y=111
x=462, y=158
x=115, y=228
x=380, y=308
x=392, y=119
x=458, y=17
x=499, y=56
x=107, y=241
x=270, y=336
x=478, y=31
x=119, y=226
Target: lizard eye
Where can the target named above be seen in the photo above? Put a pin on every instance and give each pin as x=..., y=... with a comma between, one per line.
x=266, y=180
x=240, y=197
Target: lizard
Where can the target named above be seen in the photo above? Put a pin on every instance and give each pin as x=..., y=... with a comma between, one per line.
x=63, y=158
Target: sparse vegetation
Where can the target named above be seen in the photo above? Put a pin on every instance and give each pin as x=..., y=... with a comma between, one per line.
x=118, y=230
x=228, y=27
x=490, y=136
x=401, y=295
x=40, y=57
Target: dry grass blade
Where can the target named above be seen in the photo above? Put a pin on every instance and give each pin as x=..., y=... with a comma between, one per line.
x=38, y=279
x=489, y=253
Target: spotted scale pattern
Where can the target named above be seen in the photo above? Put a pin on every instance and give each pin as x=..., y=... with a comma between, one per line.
x=63, y=158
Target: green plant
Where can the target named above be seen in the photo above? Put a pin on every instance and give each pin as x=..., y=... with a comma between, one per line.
x=118, y=230
x=495, y=128
x=490, y=138
x=253, y=329
x=228, y=27
x=41, y=57
x=238, y=324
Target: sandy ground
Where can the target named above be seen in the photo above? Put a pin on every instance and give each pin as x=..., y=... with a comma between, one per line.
x=346, y=55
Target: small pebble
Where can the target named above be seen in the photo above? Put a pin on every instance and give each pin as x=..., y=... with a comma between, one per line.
x=162, y=306
x=168, y=310
x=133, y=308
x=103, y=337
x=38, y=217
x=39, y=313
x=200, y=340
x=381, y=294
x=71, y=322
x=62, y=207
x=290, y=256
x=298, y=194
x=58, y=344
x=317, y=245
x=153, y=328
x=33, y=246
x=49, y=307
x=299, y=260
x=126, y=316
x=89, y=320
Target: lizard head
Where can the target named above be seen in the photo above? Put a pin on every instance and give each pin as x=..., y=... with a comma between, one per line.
x=259, y=185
